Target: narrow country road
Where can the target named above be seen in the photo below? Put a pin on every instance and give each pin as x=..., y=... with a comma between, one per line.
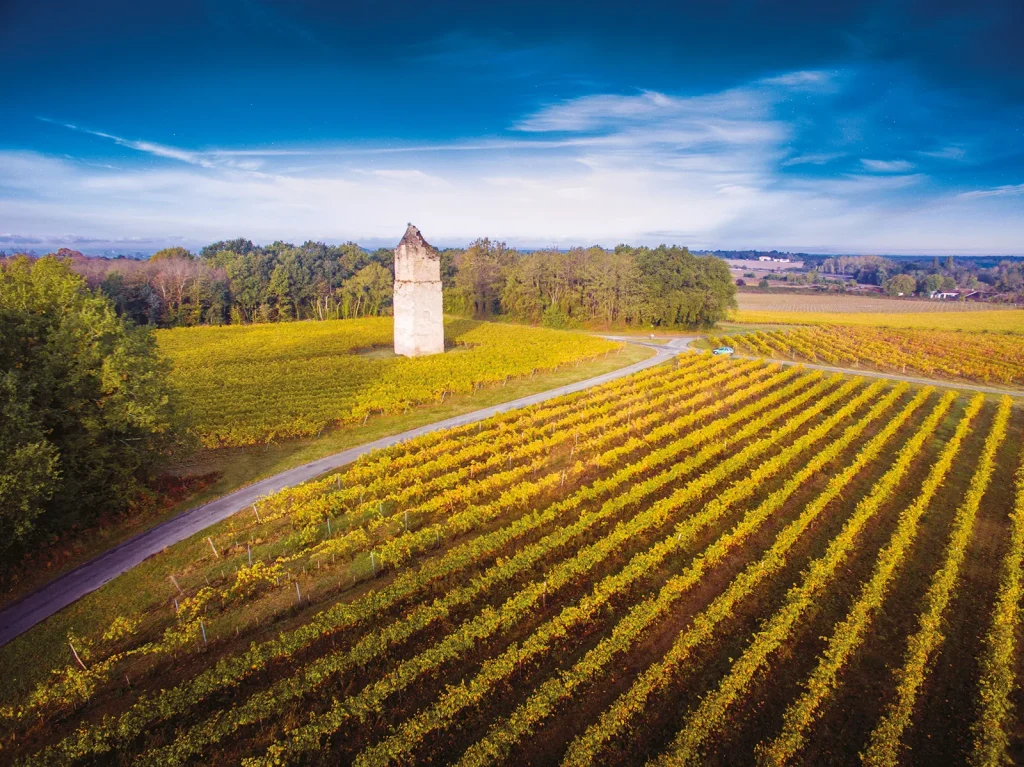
x=33, y=608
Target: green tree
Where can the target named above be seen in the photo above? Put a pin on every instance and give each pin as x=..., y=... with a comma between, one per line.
x=367, y=293
x=175, y=252
x=84, y=398
x=931, y=283
x=683, y=289
x=29, y=463
x=250, y=280
x=900, y=285
x=480, y=275
x=291, y=284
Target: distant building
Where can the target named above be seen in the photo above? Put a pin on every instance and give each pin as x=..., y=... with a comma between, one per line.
x=764, y=258
x=944, y=294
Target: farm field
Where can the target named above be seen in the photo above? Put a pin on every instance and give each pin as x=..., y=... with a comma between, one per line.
x=996, y=321
x=982, y=357
x=713, y=561
x=838, y=303
x=246, y=385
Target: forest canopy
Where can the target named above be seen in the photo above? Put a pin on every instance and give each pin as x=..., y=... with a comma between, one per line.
x=237, y=282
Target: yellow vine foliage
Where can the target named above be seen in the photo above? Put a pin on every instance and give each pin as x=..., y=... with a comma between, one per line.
x=250, y=384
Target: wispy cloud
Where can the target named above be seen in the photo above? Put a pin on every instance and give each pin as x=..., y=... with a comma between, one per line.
x=149, y=147
x=887, y=166
x=812, y=79
x=813, y=158
x=710, y=115
x=946, y=153
x=605, y=167
x=1007, y=190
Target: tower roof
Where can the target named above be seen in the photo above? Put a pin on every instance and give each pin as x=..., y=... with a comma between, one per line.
x=414, y=240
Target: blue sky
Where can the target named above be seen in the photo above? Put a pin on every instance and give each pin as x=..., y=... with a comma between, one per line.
x=889, y=127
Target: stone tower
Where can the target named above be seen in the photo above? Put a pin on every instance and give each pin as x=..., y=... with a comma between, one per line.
x=419, y=323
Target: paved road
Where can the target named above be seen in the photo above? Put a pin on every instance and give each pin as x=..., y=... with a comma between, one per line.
x=25, y=613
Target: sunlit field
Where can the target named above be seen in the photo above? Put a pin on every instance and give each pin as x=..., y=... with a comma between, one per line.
x=1003, y=321
x=982, y=357
x=244, y=385
x=835, y=303
x=714, y=560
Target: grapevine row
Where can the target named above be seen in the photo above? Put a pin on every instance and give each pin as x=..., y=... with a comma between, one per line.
x=709, y=715
x=396, y=550
x=387, y=639
x=233, y=670
x=514, y=421
x=886, y=739
x=850, y=633
x=491, y=623
x=995, y=689
x=976, y=356
x=542, y=703
x=405, y=486
x=379, y=477
x=585, y=749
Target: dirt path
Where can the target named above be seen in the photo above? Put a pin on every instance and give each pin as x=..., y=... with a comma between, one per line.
x=33, y=608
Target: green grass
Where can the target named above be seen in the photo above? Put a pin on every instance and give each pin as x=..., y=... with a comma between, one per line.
x=144, y=589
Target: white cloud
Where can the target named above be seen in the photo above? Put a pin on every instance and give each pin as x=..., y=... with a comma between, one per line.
x=813, y=158
x=1007, y=190
x=946, y=153
x=887, y=166
x=606, y=168
x=649, y=109
x=149, y=147
x=802, y=79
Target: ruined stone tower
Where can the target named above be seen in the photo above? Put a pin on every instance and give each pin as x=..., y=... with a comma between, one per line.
x=419, y=324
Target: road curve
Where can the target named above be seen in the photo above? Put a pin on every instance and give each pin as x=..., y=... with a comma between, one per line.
x=39, y=605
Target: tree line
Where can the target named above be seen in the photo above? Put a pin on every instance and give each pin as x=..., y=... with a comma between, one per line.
x=238, y=282
x=923, y=277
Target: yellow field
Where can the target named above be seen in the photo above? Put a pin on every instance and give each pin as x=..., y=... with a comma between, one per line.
x=986, y=357
x=245, y=385
x=707, y=562
x=995, y=320
x=836, y=302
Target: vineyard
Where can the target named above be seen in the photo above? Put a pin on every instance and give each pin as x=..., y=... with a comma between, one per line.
x=847, y=312
x=245, y=385
x=713, y=561
x=855, y=304
x=984, y=357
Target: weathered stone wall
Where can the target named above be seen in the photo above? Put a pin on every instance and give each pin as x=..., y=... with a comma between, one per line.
x=419, y=319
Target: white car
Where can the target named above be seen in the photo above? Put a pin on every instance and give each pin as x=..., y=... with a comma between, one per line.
x=723, y=350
